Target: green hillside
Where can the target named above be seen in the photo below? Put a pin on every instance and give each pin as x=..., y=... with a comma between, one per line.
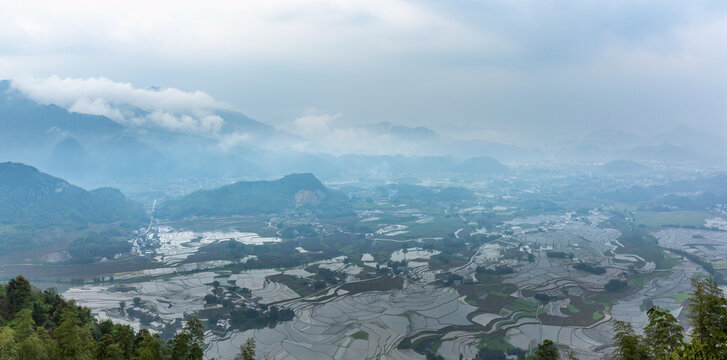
x=30, y=197
x=296, y=191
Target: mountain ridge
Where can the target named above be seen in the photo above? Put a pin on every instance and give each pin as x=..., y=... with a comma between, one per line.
x=31, y=197
x=291, y=192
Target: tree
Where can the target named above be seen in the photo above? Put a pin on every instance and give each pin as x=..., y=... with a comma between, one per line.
x=571, y=355
x=7, y=343
x=180, y=346
x=491, y=354
x=33, y=347
x=72, y=344
x=615, y=285
x=663, y=338
x=273, y=314
x=19, y=293
x=124, y=337
x=23, y=323
x=104, y=327
x=114, y=352
x=247, y=350
x=103, y=347
x=189, y=344
x=30, y=345
x=196, y=330
x=44, y=308
x=694, y=351
x=106, y=346
x=629, y=345
x=708, y=314
x=150, y=347
x=663, y=334
x=546, y=351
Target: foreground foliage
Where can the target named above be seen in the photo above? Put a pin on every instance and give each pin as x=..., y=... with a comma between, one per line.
x=41, y=325
x=663, y=337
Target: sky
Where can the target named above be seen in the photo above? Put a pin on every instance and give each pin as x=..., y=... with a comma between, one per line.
x=506, y=71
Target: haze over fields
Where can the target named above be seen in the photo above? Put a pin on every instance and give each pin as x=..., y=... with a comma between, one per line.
x=363, y=179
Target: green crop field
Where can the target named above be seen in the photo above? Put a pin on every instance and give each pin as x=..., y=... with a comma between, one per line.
x=360, y=335
x=680, y=297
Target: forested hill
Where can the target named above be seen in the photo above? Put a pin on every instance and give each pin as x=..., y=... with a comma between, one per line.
x=296, y=191
x=30, y=197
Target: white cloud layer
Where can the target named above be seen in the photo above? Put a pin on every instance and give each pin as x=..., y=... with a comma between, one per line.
x=258, y=29
x=169, y=108
x=327, y=133
x=543, y=67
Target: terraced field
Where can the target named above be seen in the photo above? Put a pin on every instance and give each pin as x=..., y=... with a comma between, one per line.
x=327, y=330
x=371, y=317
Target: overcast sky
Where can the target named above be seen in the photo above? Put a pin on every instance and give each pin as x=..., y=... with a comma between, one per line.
x=507, y=70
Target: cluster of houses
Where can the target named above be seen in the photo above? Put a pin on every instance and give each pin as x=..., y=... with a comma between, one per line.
x=457, y=280
x=146, y=317
x=228, y=298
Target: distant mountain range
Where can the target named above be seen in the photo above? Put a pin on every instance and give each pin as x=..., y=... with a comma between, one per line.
x=678, y=145
x=32, y=198
x=412, y=133
x=661, y=153
x=91, y=149
x=292, y=192
x=611, y=139
x=695, y=141
x=95, y=149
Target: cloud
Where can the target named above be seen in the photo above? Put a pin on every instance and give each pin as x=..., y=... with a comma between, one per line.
x=538, y=68
x=325, y=133
x=258, y=29
x=168, y=108
x=229, y=141
x=312, y=125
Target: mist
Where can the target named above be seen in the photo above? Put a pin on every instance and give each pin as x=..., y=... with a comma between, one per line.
x=380, y=179
x=523, y=73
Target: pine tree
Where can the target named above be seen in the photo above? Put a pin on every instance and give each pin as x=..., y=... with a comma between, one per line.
x=30, y=346
x=19, y=293
x=71, y=337
x=150, y=347
x=247, y=350
x=663, y=334
x=546, y=351
x=102, y=347
x=189, y=344
x=196, y=330
x=124, y=338
x=23, y=324
x=708, y=314
x=180, y=346
x=115, y=353
x=629, y=345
